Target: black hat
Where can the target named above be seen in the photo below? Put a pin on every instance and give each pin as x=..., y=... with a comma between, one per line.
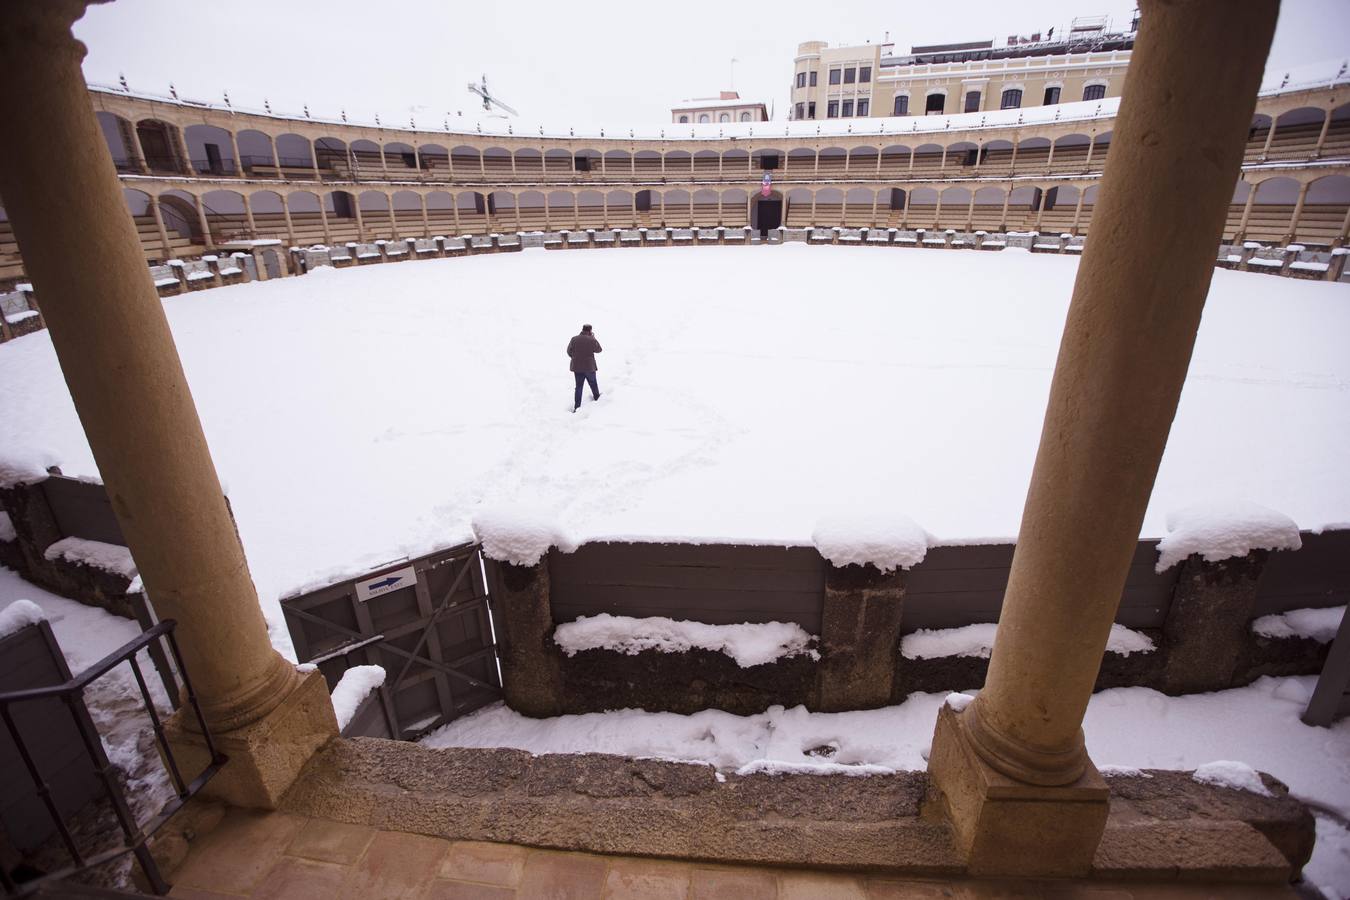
x=585, y=329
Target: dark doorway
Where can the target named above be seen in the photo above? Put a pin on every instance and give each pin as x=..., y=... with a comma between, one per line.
x=768, y=215
x=214, y=164
x=768, y=161
x=159, y=154
x=342, y=205
x=644, y=201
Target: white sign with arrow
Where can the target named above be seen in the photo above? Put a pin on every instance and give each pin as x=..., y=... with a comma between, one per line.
x=396, y=580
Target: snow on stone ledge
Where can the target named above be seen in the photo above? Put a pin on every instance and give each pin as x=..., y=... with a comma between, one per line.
x=1319, y=624
x=519, y=535
x=355, y=685
x=887, y=541
x=7, y=532
x=19, y=614
x=1236, y=775
x=958, y=701
x=978, y=640
x=1122, y=772
x=777, y=767
x=25, y=467
x=108, y=557
x=748, y=644
x=1223, y=530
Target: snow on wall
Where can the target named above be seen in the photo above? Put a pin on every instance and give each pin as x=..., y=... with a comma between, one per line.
x=519, y=535
x=1224, y=529
x=978, y=640
x=1236, y=775
x=108, y=557
x=19, y=614
x=7, y=532
x=1319, y=624
x=887, y=541
x=355, y=685
x=748, y=644
x=24, y=465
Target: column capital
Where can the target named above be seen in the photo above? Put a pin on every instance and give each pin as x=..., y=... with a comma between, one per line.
x=42, y=27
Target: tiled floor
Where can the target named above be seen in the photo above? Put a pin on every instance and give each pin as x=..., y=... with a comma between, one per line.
x=275, y=855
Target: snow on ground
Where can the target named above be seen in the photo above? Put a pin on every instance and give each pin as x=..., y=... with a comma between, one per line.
x=749, y=644
x=1126, y=728
x=373, y=413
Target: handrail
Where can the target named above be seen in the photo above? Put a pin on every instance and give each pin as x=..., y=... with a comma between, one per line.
x=71, y=693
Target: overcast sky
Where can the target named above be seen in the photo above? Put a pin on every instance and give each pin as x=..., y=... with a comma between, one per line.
x=554, y=61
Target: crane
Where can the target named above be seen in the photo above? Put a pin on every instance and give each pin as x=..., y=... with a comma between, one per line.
x=489, y=101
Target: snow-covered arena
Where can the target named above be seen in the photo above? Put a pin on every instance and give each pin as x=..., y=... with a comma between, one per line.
x=363, y=415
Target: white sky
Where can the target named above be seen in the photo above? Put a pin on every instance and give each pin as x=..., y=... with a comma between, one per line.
x=613, y=64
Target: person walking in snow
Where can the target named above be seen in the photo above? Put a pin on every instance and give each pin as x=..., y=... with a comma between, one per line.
x=581, y=350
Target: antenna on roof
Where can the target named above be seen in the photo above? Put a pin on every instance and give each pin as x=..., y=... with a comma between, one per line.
x=489, y=101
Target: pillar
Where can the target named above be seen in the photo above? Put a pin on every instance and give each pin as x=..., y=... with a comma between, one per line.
x=118, y=358
x=1050, y=159
x=1246, y=213
x=1092, y=145
x=313, y=158
x=137, y=151
x=1022, y=796
x=360, y=225
x=276, y=160
x=393, y=219
x=859, y=636
x=426, y=222
x=207, y=240
x=384, y=162
x=179, y=138
x=286, y=214
x=234, y=148
x=1298, y=212
x=1322, y=137
x=248, y=215
x=1078, y=208
x=1040, y=206
x=1270, y=136
x=323, y=217
x=159, y=226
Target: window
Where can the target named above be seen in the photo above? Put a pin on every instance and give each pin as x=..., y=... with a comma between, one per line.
x=901, y=107
x=799, y=112
x=1051, y=96
x=684, y=120
x=832, y=109
x=864, y=106
x=745, y=117
x=801, y=79
x=848, y=108
x=834, y=76
x=702, y=118
x=811, y=110
x=850, y=75
x=934, y=104
x=1094, y=92
x=865, y=74
x=724, y=118
x=1012, y=99
x=813, y=79
x=972, y=101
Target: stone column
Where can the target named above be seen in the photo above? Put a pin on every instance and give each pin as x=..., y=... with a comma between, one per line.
x=286, y=213
x=119, y=361
x=200, y=205
x=531, y=665
x=238, y=162
x=1322, y=136
x=248, y=216
x=276, y=160
x=1246, y=213
x=1270, y=136
x=159, y=226
x=323, y=217
x=1298, y=212
x=138, y=152
x=1022, y=795
x=859, y=636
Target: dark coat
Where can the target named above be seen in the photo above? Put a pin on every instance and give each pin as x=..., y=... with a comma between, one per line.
x=582, y=349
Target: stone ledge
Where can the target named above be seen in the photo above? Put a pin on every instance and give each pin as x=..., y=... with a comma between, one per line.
x=615, y=805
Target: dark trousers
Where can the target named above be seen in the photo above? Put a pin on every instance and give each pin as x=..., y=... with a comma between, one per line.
x=586, y=378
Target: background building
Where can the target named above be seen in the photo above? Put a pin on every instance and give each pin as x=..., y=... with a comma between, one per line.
x=1085, y=61
x=729, y=107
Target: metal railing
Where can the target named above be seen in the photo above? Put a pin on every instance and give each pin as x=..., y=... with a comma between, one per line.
x=134, y=835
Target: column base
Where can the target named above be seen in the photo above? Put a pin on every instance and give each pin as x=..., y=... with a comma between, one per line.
x=266, y=755
x=1009, y=828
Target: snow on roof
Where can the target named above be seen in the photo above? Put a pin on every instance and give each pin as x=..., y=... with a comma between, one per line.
x=18, y=615
x=714, y=103
x=1223, y=530
x=1300, y=78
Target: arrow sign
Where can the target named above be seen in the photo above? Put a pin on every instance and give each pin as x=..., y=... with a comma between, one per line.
x=385, y=583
